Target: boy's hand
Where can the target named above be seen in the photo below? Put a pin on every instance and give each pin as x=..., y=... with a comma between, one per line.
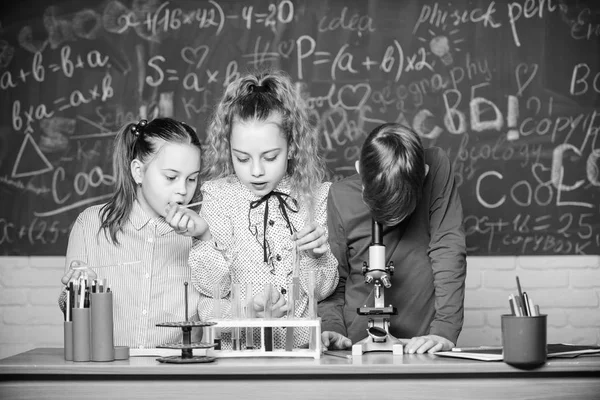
x=311, y=238
x=427, y=343
x=187, y=222
x=335, y=341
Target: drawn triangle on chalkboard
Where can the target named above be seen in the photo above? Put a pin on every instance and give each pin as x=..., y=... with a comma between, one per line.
x=33, y=167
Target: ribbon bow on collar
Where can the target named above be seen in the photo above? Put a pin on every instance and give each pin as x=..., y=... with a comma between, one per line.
x=284, y=206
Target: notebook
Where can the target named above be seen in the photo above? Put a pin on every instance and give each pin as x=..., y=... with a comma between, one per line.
x=487, y=353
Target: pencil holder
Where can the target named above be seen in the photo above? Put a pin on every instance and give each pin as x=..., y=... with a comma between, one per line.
x=68, y=340
x=81, y=334
x=524, y=340
x=102, y=327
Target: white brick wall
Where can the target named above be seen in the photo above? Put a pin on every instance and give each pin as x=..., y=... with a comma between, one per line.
x=566, y=288
x=29, y=314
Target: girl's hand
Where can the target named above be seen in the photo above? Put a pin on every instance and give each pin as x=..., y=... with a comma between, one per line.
x=311, y=238
x=279, y=305
x=77, y=269
x=187, y=222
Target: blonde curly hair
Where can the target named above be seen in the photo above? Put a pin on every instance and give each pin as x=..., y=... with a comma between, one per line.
x=257, y=96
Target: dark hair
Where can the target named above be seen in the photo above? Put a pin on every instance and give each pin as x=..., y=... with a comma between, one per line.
x=137, y=140
x=392, y=170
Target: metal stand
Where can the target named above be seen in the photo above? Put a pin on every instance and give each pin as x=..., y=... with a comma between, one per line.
x=376, y=272
x=186, y=346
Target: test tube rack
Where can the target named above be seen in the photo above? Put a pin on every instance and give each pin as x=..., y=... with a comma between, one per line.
x=313, y=351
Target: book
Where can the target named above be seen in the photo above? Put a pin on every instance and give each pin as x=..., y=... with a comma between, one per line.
x=494, y=353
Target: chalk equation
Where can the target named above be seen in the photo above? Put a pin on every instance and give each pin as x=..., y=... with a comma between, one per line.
x=509, y=90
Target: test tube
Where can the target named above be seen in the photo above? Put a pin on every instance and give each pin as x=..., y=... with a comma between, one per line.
x=268, y=339
x=293, y=296
x=250, y=315
x=292, y=293
x=187, y=330
x=217, y=314
x=235, y=313
x=312, y=300
x=312, y=306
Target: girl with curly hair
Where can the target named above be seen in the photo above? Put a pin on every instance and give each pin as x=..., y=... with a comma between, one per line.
x=264, y=203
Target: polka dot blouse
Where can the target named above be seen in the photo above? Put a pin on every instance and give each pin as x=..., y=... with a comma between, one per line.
x=244, y=236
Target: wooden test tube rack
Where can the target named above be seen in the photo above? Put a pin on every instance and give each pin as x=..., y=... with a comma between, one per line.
x=313, y=351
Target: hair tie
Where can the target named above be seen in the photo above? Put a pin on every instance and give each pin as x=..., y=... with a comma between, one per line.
x=258, y=89
x=139, y=127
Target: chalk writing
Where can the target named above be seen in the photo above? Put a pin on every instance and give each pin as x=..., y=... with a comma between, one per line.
x=509, y=90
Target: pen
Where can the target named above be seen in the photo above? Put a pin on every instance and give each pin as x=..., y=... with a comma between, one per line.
x=515, y=305
x=334, y=354
x=81, y=294
x=520, y=299
x=73, y=288
x=86, y=300
x=532, y=307
x=68, y=306
x=519, y=302
x=477, y=348
x=510, y=303
x=526, y=303
x=85, y=266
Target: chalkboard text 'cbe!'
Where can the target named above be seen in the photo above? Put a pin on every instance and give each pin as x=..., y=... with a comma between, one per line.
x=508, y=89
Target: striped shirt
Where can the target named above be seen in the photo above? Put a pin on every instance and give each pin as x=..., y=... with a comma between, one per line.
x=236, y=253
x=146, y=273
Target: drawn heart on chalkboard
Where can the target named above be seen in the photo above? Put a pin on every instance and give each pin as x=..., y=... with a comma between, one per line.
x=521, y=71
x=346, y=99
x=541, y=174
x=26, y=41
x=194, y=55
x=285, y=48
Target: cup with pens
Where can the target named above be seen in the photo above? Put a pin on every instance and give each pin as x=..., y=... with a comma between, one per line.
x=88, y=326
x=524, y=332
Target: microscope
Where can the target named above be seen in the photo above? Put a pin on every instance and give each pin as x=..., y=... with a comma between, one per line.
x=376, y=272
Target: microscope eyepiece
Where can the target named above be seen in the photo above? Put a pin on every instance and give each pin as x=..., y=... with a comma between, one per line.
x=376, y=233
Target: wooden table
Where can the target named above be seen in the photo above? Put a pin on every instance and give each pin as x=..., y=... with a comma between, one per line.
x=44, y=374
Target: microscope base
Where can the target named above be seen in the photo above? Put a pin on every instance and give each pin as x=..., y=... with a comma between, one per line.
x=367, y=344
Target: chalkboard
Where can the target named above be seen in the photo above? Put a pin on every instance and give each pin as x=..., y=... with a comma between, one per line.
x=510, y=90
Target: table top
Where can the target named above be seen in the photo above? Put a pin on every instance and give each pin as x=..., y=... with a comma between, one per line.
x=50, y=361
